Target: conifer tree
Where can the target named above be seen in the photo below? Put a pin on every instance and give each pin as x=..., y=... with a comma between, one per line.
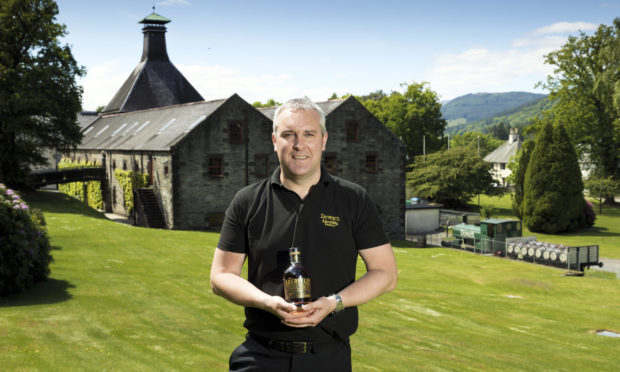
x=518, y=168
x=553, y=190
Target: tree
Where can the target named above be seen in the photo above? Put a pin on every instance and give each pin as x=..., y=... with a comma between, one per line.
x=270, y=103
x=518, y=167
x=476, y=140
x=500, y=131
x=451, y=177
x=414, y=116
x=553, y=190
x=39, y=96
x=586, y=85
x=601, y=188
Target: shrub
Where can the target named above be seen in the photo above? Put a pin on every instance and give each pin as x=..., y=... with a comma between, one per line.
x=129, y=181
x=24, y=244
x=553, y=190
x=488, y=211
x=76, y=189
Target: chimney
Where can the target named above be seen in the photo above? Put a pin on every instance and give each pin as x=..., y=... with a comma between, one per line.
x=154, y=38
x=514, y=135
x=155, y=82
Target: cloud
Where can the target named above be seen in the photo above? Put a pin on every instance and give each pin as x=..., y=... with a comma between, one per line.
x=102, y=82
x=564, y=28
x=610, y=6
x=519, y=67
x=216, y=81
x=173, y=2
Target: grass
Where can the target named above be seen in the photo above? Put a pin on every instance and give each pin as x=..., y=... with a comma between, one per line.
x=605, y=232
x=124, y=298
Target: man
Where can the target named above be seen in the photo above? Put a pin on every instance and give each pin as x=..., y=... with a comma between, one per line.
x=336, y=222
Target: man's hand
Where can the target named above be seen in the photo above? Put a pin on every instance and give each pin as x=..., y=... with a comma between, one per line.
x=312, y=314
x=279, y=307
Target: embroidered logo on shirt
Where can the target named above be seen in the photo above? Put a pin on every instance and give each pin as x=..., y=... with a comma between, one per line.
x=330, y=221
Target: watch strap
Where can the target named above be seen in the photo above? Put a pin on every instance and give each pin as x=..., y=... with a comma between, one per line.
x=339, y=305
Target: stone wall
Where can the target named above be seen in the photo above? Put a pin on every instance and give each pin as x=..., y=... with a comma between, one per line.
x=352, y=152
x=201, y=198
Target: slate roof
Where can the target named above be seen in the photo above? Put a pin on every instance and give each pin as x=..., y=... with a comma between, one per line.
x=503, y=153
x=148, y=130
x=84, y=118
x=327, y=107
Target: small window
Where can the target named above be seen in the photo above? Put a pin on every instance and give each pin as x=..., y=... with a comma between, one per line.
x=235, y=132
x=502, y=165
x=330, y=163
x=124, y=164
x=352, y=131
x=114, y=164
x=136, y=167
x=215, y=167
x=261, y=165
x=113, y=194
x=371, y=163
x=165, y=170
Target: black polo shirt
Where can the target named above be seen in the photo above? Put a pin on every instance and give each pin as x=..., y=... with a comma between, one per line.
x=337, y=219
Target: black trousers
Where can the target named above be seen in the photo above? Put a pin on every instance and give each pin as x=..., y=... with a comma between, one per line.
x=257, y=357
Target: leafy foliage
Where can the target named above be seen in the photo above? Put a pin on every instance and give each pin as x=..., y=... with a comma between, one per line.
x=129, y=181
x=553, y=190
x=601, y=188
x=451, y=177
x=76, y=189
x=271, y=102
x=518, y=167
x=474, y=140
x=414, y=116
x=24, y=245
x=39, y=96
x=586, y=85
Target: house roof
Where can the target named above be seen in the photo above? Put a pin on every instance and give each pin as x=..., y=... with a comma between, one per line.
x=149, y=130
x=503, y=153
x=84, y=118
x=327, y=107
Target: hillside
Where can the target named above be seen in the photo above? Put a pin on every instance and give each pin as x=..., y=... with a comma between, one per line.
x=479, y=106
x=519, y=117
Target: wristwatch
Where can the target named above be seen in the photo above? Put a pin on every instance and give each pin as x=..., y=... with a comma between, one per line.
x=339, y=305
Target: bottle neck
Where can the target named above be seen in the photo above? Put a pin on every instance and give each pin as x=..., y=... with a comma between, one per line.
x=295, y=260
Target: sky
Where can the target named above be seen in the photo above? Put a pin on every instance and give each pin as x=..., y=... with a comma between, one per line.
x=285, y=49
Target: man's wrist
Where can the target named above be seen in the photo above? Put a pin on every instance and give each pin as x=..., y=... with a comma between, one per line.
x=339, y=305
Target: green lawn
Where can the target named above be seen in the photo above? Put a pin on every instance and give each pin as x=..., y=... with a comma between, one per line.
x=123, y=298
x=605, y=232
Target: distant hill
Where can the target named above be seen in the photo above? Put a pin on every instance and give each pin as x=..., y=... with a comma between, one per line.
x=479, y=106
x=519, y=117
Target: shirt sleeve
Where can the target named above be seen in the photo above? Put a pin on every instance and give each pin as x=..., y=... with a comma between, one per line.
x=232, y=235
x=369, y=227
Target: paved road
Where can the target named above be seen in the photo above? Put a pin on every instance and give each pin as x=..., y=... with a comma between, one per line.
x=609, y=264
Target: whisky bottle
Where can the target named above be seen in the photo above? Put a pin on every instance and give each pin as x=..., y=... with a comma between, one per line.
x=296, y=280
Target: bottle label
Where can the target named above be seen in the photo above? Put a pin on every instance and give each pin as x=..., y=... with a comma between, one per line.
x=297, y=288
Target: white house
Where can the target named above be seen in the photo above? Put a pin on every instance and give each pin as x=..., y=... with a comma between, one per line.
x=502, y=155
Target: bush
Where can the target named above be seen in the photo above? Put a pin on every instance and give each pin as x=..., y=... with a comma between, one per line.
x=553, y=190
x=76, y=189
x=130, y=181
x=24, y=245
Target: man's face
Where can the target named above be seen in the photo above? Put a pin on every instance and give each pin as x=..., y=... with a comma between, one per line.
x=299, y=143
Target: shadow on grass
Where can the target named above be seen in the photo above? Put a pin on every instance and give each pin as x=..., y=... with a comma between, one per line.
x=47, y=292
x=57, y=202
x=592, y=231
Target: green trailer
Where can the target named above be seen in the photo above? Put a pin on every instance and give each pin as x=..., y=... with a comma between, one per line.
x=489, y=237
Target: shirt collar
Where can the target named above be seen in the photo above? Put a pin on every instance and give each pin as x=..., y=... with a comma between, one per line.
x=325, y=179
